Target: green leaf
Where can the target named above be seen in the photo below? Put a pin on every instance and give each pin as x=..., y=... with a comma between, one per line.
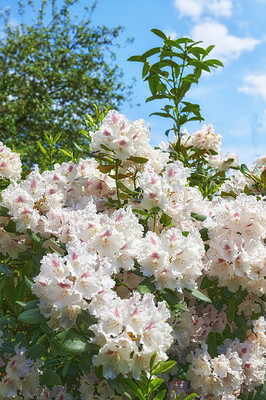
x=4, y=211
x=191, y=396
x=153, y=84
x=42, y=149
x=135, y=58
x=231, y=309
x=22, y=340
x=4, y=269
x=152, y=360
x=3, y=322
x=244, y=169
x=200, y=296
x=32, y=316
x=150, y=52
x=106, y=168
x=212, y=344
x=139, y=160
x=146, y=286
x=9, y=290
x=172, y=300
x=36, y=351
x=204, y=234
x=85, y=320
x=166, y=220
x=213, y=63
x=198, y=217
x=50, y=377
x=28, y=282
x=29, y=305
x=164, y=367
x=160, y=395
x=67, y=153
x=146, y=68
x=206, y=283
x=154, y=384
x=35, y=238
x=125, y=189
x=180, y=374
x=72, y=342
x=10, y=226
x=157, y=97
x=263, y=177
x=135, y=389
x=159, y=33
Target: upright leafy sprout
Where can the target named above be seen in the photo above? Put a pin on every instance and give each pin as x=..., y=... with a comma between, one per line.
x=180, y=65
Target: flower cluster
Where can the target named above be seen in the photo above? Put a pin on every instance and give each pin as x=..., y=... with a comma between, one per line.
x=237, y=253
x=131, y=240
x=21, y=378
x=10, y=164
x=239, y=367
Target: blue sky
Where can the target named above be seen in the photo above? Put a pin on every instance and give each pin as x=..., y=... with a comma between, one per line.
x=233, y=98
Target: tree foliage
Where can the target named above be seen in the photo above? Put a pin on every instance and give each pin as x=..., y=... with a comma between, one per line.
x=52, y=71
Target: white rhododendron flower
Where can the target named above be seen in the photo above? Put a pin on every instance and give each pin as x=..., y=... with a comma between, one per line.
x=10, y=164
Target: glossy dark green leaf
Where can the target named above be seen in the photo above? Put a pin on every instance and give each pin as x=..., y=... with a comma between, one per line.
x=4, y=269
x=198, y=217
x=32, y=316
x=9, y=290
x=10, y=226
x=204, y=234
x=29, y=282
x=50, y=378
x=212, y=344
x=4, y=211
x=72, y=342
x=231, y=309
x=36, y=351
x=206, y=283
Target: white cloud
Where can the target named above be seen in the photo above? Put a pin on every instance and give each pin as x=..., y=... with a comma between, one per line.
x=196, y=8
x=227, y=47
x=255, y=85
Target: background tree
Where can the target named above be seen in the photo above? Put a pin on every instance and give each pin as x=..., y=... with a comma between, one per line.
x=51, y=73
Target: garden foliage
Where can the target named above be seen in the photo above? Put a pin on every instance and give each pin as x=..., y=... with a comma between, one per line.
x=134, y=272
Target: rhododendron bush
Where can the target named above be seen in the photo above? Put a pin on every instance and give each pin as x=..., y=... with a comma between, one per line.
x=133, y=272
